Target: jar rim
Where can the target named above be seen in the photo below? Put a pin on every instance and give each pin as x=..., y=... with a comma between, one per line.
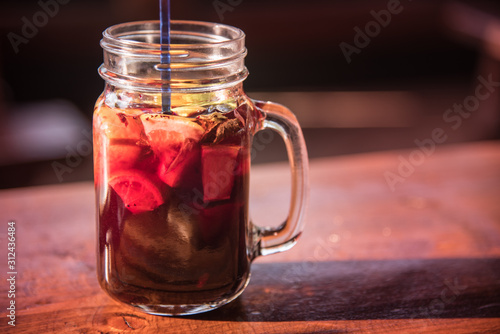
x=211, y=34
x=202, y=55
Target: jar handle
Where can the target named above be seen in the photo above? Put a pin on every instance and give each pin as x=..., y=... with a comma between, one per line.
x=280, y=119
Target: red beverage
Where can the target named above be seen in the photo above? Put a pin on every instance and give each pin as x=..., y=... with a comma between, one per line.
x=173, y=218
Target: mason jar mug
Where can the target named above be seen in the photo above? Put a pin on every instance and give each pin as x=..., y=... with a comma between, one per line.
x=172, y=184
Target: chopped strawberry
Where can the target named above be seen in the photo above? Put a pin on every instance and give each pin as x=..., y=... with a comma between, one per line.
x=218, y=170
x=136, y=190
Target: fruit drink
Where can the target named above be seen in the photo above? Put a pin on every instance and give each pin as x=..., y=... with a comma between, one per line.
x=173, y=197
x=173, y=132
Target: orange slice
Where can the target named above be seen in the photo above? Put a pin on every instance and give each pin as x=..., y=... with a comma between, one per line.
x=137, y=191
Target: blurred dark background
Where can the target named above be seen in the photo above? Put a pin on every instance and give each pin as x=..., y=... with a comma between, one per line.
x=395, y=90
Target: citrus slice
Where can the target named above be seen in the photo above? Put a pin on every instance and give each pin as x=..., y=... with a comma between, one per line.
x=167, y=134
x=120, y=124
x=137, y=191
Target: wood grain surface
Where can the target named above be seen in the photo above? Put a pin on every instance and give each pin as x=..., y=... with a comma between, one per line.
x=423, y=257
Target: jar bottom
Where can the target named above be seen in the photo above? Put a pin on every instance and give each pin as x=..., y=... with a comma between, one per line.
x=163, y=309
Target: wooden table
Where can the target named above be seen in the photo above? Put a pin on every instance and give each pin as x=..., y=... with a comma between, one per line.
x=422, y=258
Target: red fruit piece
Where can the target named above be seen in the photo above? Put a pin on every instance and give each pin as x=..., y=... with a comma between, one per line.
x=167, y=134
x=116, y=131
x=175, y=141
x=183, y=170
x=119, y=124
x=137, y=191
x=121, y=157
x=218, y=170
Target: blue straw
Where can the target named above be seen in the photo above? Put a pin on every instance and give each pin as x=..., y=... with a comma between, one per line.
x=165, y=55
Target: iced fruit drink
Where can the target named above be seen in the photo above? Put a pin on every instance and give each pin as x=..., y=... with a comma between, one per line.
x=172, y=214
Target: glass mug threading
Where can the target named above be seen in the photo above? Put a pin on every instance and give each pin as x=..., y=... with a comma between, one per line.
x=174, y=235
